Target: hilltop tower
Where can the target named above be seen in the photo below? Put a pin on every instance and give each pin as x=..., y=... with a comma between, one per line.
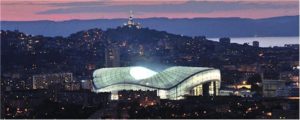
x=130, y=23
x=130, y=19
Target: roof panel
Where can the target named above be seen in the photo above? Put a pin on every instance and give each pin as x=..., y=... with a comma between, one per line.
x=165, y=79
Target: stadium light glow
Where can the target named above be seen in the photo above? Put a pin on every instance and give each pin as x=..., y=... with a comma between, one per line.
x=172, y=83
x=139, y=73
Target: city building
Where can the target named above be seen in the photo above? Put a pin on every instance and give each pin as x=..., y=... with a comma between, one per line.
x=43, y=81
x=242, y=89
x=247, y=68
x=86, y=84
x=172, y=83
x=112, y=56
x=270, y=87
x=255, y=44
x=226, y=92
x=224, y=40
x=289, y=90
x=72, y=86
x=289, y=76
x=294, y=46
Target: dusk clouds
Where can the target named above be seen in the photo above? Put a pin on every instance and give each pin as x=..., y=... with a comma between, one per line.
x=93, y=9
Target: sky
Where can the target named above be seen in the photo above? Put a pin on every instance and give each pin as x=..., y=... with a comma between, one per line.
x=61, y=10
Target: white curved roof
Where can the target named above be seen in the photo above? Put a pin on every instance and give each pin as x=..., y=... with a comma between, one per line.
x=166, y=79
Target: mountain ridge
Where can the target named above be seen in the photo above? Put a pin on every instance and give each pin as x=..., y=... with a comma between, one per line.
x=210, y=27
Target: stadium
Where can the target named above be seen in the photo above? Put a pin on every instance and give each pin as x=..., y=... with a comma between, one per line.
x=170, y=83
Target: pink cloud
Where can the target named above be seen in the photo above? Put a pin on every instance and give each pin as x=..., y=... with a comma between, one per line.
x=27, y=11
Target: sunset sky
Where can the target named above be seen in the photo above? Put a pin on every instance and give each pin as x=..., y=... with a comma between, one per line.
x=59, y=10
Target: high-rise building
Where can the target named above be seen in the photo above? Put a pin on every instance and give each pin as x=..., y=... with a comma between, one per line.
x=255, y=44
x=112, y=56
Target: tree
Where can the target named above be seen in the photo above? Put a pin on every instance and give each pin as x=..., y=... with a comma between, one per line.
x=256, y=84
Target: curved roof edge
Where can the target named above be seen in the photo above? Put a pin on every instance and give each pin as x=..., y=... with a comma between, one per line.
x=150, y=86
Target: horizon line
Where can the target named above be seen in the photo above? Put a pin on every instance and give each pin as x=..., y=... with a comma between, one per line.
x=144, y=18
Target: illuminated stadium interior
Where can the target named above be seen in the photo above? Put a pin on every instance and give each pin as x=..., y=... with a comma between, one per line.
x=171, y=83
x=139, y=73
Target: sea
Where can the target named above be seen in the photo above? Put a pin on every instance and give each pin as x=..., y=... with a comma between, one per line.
x=264, y=41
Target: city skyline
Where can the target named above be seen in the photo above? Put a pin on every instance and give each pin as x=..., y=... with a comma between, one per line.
x=32, y=10
x=129, y=59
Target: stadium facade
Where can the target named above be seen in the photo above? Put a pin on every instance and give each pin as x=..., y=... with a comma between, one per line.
x=171, y=83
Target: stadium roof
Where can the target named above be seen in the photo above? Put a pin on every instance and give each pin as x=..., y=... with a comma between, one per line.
x=142, y=76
